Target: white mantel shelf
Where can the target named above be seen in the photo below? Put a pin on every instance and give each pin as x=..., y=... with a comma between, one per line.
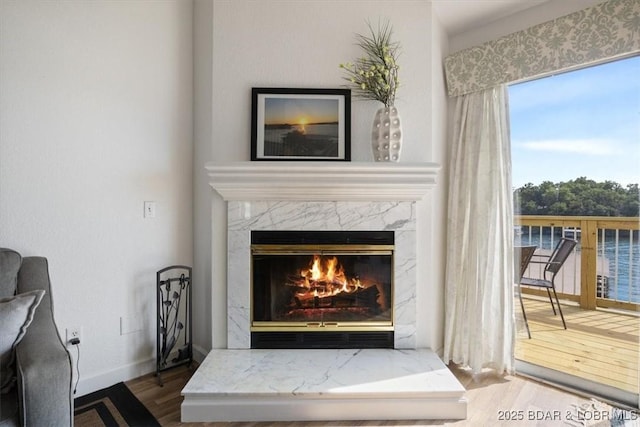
x=354, y=181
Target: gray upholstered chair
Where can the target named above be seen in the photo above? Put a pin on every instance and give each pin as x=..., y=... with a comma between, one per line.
x=42, y=392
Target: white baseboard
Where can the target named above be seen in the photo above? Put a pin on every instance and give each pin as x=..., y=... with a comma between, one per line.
x=125, y=373
x=106, y=379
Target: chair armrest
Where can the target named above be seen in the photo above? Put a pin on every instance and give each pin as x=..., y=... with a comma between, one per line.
x=44, y=381
x=42, y=361
x=544, y=262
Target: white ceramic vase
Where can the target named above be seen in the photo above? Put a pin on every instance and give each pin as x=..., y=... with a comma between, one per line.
x=386, y=135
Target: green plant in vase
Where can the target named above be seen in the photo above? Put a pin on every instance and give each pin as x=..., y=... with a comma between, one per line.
x=374, y=76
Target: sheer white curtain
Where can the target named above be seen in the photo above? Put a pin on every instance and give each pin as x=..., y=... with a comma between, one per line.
x=479, y=315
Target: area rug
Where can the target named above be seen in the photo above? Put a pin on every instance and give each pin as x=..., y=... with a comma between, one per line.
x=113, y=406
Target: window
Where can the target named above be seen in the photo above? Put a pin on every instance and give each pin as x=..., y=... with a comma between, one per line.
x=583, y=123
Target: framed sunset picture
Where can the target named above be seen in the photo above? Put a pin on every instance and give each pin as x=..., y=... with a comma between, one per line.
x=300, y=124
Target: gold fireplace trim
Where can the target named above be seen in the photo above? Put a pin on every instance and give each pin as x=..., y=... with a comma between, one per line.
x=267, y=326
x=322, y=249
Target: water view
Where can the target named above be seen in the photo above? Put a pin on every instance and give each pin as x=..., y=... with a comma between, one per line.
x=618, y=260
x=309, y=140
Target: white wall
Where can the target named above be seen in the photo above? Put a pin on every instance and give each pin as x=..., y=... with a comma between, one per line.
x=439, y=101
x=95, y=118
x=285, y=43
x=203, y=149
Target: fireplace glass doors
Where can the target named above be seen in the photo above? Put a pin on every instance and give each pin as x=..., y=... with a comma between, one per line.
x=322, y=289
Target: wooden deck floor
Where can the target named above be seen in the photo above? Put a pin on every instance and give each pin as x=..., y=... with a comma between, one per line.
x=598, y=345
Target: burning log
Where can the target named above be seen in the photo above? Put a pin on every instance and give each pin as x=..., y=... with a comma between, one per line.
x=367, y=297
x=325, y=286
x=364, y=297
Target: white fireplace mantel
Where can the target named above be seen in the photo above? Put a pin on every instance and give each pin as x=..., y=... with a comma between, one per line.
x=311, y=181
x=337, y=196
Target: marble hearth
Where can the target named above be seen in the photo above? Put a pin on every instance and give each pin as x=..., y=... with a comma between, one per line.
x=326, y=196
x=322, y=385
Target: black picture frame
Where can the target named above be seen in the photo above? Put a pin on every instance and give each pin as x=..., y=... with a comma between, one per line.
x=300, y=124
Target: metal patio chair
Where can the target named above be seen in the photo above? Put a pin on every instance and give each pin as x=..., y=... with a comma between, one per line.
x=552, y=266
x=522, y=256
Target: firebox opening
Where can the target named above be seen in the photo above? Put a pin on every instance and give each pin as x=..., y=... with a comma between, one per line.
x=339, y=284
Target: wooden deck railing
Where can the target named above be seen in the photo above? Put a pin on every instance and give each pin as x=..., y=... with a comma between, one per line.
x=593, y=264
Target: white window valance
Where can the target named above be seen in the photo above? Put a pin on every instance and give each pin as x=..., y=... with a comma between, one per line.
x=605, y=31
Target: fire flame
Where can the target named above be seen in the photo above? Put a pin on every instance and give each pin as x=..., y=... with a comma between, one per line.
x=326, y=277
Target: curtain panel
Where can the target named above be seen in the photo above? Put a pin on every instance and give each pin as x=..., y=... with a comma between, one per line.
x=479, y=315
x=605, y=31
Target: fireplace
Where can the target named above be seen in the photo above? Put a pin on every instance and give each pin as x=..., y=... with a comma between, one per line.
x=238, y=383
x=241, y=382
x=307, y=196
x=322, y=289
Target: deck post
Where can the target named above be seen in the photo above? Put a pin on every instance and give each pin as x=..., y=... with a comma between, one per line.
x=588, y=261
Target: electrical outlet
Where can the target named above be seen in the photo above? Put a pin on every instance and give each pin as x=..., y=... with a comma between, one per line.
x=75, y=332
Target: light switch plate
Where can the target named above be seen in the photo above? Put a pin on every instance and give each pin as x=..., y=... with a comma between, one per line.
x=149, y=209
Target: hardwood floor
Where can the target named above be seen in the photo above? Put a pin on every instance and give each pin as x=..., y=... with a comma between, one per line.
x=493, y=401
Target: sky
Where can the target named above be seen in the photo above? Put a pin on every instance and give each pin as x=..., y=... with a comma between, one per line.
x=579, y=123
x=299, y=111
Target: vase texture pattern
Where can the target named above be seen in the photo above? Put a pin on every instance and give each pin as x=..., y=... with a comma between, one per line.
x=386, y=135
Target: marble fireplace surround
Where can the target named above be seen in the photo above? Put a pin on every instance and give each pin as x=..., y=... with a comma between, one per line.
x=243, y=384
x=322, y=196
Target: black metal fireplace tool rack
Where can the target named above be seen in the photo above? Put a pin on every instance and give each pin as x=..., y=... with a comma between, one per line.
x=174, y=345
